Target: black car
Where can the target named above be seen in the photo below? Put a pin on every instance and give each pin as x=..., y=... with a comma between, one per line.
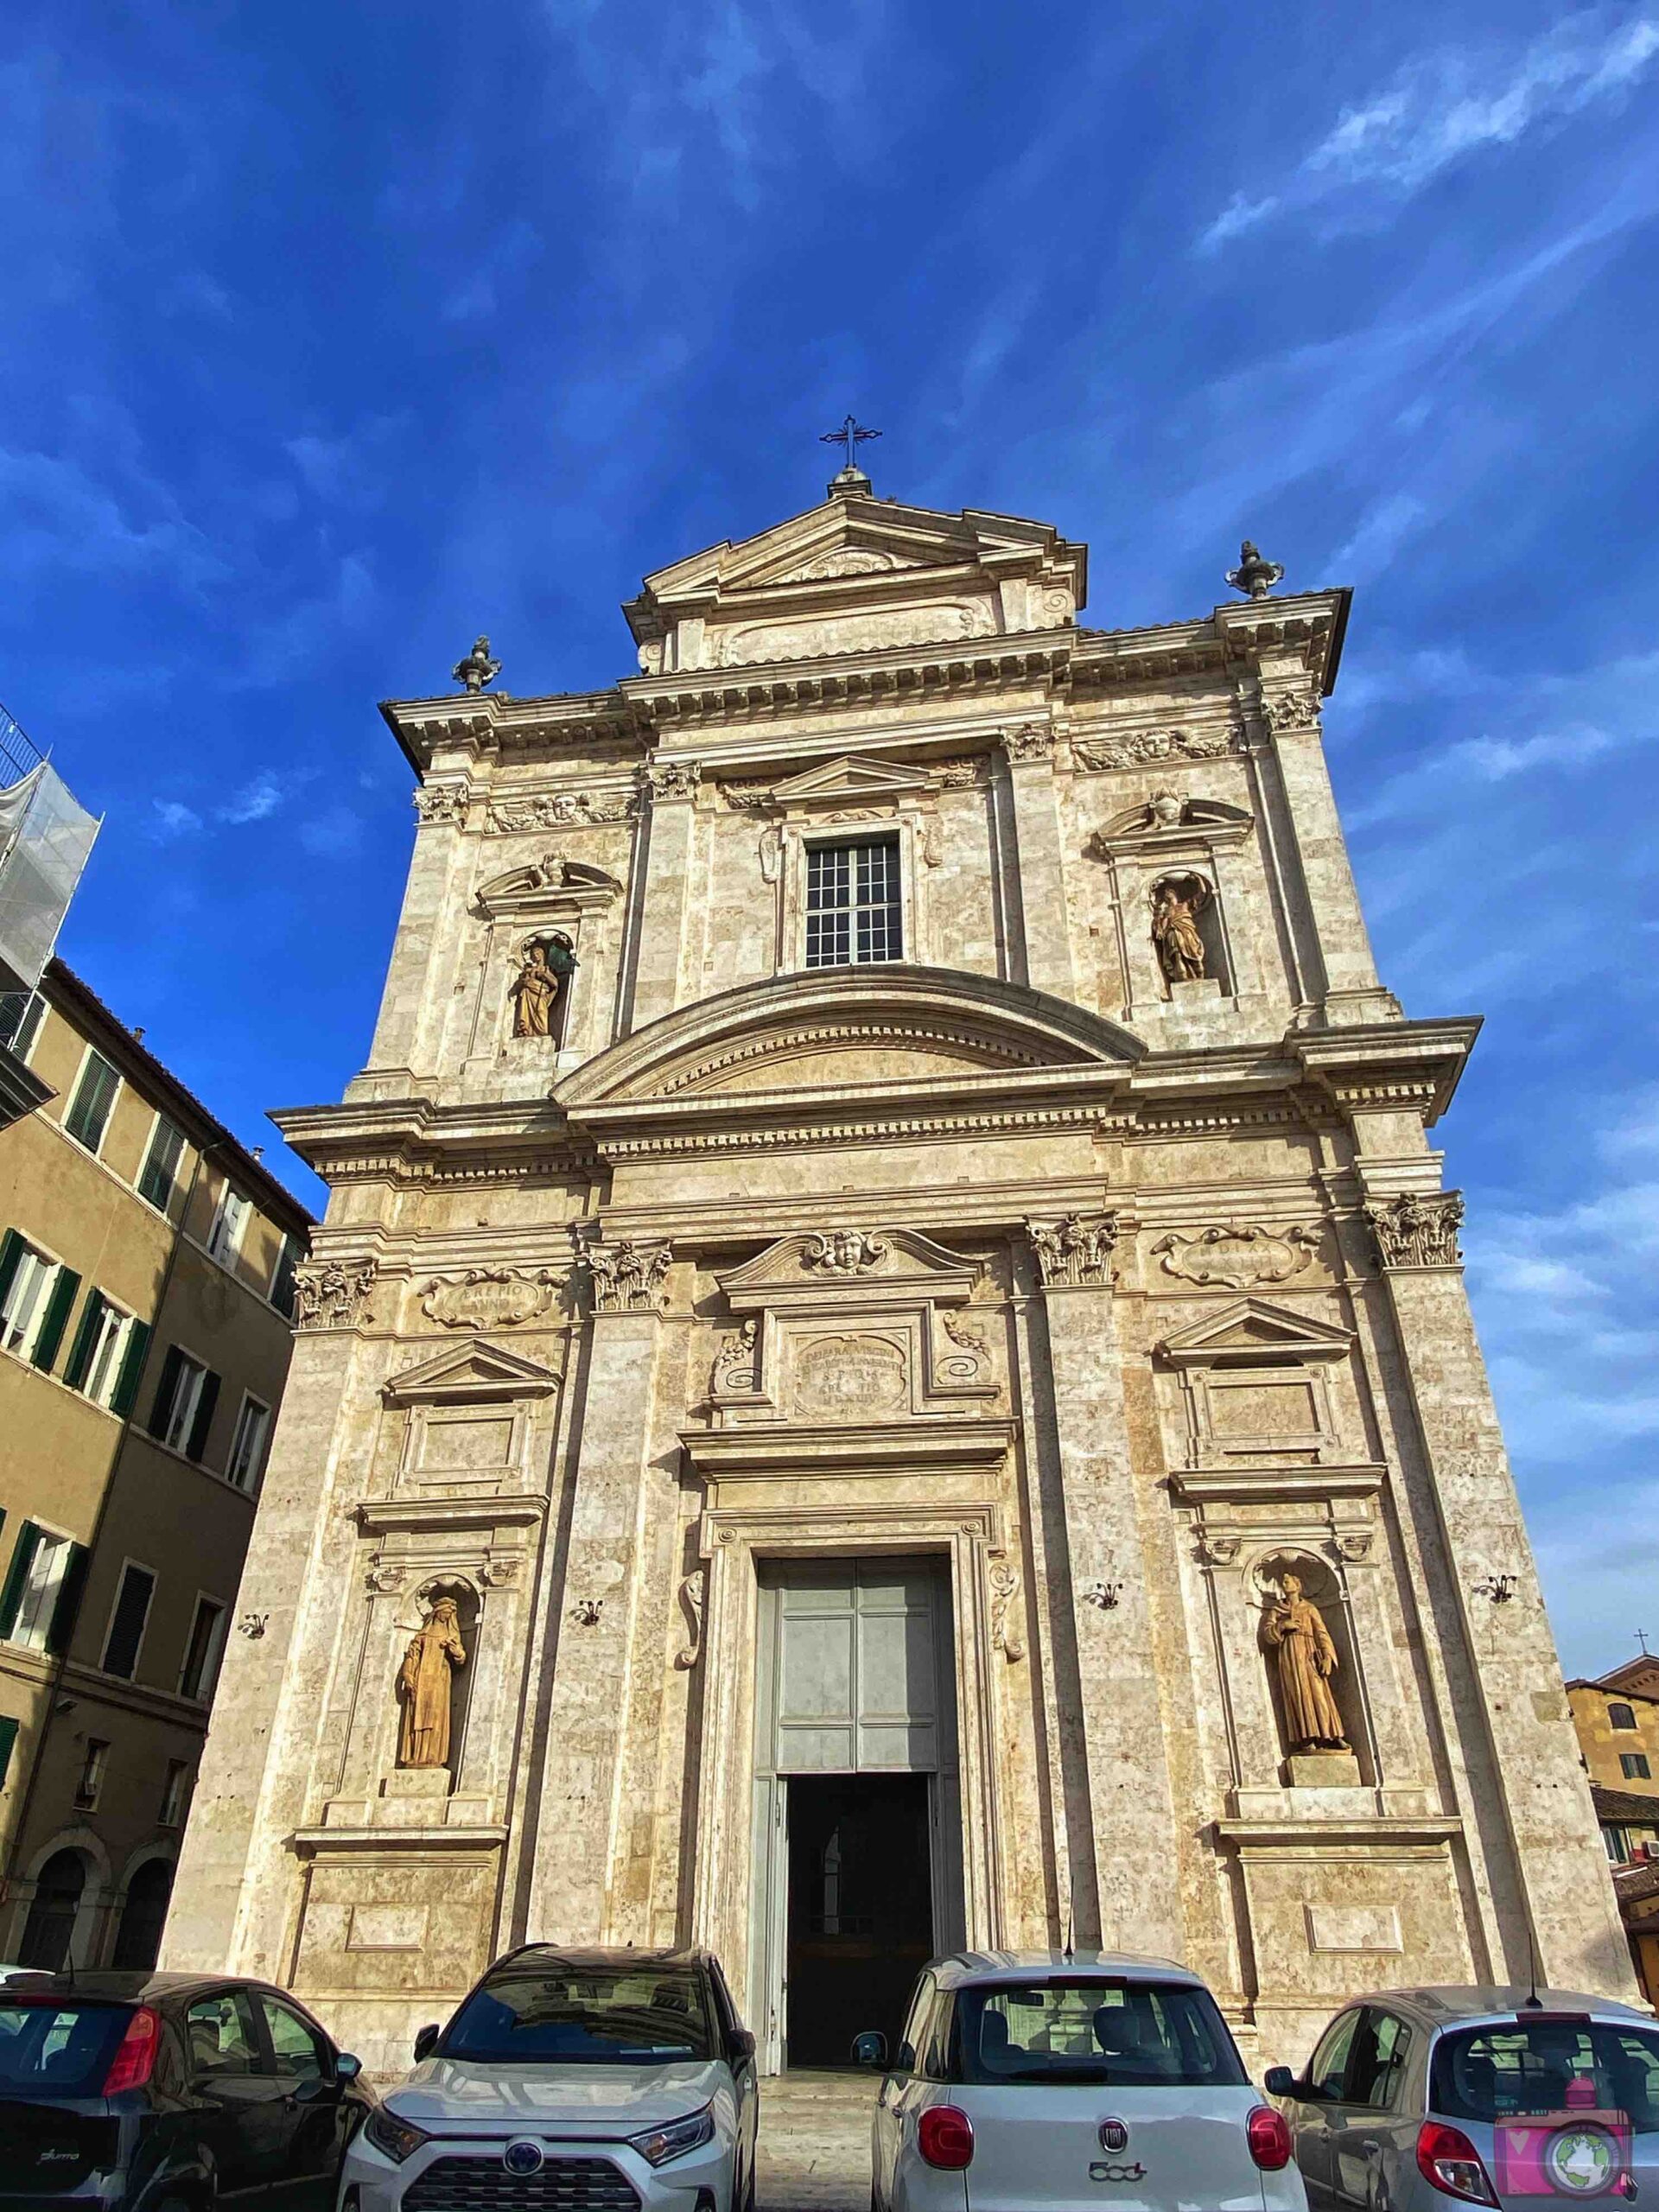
x=170, y=2093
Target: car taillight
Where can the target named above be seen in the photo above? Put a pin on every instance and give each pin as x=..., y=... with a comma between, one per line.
x=1449, y=2161
x=945, y=2136
x=1269, y=2132
x=135, y=2055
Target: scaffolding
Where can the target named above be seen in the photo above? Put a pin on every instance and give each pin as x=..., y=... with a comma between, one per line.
x=46, y=836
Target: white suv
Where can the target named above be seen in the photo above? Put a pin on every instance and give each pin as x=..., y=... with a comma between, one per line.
x=571, y=2082
x=1037, y=2080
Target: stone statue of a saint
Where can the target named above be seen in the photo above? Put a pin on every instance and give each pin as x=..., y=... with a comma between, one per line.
x=1305, y=1659
x=1176, y=906
x=536, y=987
x=424, y=1685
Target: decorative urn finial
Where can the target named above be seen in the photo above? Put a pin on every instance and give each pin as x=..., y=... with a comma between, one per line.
x=477, y=669
x=1253, y=576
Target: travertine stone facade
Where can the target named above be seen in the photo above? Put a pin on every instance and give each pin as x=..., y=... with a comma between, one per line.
x=1110, y=1297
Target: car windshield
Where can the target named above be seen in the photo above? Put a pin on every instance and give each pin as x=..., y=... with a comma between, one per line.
x=1516, y=2068
x=57, y=2050
x=584, y=2015
x=1156, y=2034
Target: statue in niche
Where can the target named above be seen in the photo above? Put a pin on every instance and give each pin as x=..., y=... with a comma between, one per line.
x=536, y=986
x=423, y=1682
x=1176, y=905
x=1304, y=1660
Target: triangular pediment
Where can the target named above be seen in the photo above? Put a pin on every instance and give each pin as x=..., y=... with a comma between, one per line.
x=477, y=1370
x=1252, y=1331
x=855, y=574
x=852, y=776
x=851, y=1032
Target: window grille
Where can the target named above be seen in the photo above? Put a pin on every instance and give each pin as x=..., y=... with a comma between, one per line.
x=853, y=905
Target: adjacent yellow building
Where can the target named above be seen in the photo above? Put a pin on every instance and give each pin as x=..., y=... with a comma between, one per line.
x=146, y=1284
x=1617, y=1718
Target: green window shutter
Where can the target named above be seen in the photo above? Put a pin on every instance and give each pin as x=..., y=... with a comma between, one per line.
x=7, y=1740
x=70, y=1591
x=132, y=1367
x=89, y=1109
x=81, y=1352
x=56, y=1318
x=11, y=1250
x=12, y=1597
x=197, y=1442
x=164, y=1390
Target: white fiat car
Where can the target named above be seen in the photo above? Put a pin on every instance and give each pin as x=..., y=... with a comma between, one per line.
x=1034, y=2080
x=584, y=2080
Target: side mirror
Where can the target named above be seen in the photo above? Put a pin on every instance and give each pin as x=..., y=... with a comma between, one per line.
x=1280, y=2081
x=741, y=2046
x=347, y=2066
x=870, y=2048
x=426, y=2041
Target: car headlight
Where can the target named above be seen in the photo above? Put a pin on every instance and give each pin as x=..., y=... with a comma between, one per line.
x=398, y=2139
x=676, y=2137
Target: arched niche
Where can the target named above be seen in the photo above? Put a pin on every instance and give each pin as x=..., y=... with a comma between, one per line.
x=1321, y=1585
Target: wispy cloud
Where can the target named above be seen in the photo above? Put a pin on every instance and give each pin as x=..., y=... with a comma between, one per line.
x=171, y=818
x=1440, y=108
x=254, y=802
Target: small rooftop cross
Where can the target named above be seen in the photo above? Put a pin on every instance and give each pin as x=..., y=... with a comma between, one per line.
x=851, y=435
x=1641, y=1638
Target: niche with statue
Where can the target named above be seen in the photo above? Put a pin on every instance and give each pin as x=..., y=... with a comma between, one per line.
x=1187, y=933
x=434, y=1686
x=539, y=993
x=1306, y=1644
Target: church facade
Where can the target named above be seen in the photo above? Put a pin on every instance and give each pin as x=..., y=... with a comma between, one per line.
x=888, y=1366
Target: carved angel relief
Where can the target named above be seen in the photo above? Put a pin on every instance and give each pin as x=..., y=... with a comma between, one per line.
x=845, y=1252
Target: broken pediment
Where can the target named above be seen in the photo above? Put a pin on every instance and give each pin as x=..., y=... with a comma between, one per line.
x=874, y=1266
x=551, y=886
x=475, y=1370
x=1252, y=1333
x=857, y=1031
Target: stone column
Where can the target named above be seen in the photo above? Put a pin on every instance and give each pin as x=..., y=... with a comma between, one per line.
x=1559, y=1862
x=656, y=986
x=234, y=1896
x=402, y=1040
x=1347, y=988
x=1038, y=878
x=1134, y=1901
x=599, y=1640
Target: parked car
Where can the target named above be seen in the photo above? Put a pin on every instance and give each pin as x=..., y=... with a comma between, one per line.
x=1040, y=2079
x=1414, y=2097
x=155, y=2092
x=592, y=2081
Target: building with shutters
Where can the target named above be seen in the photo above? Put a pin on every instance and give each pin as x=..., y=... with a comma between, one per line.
x=146, y=1283
x=888, y=1365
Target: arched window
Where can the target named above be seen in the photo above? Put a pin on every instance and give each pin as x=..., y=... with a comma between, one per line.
x=1620, y=1716
x=51, y=1920
x=138, y=1938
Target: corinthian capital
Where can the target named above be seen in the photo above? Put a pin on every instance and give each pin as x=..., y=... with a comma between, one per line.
x=1414, y=1231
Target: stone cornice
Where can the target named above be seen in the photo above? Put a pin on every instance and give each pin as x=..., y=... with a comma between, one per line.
x=1390, y=1066
x=628, y=716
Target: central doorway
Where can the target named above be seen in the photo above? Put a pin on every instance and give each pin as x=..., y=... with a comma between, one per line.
x=860, y=1909
x=857, y=1849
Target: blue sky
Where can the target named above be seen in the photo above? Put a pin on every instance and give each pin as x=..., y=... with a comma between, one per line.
x=336, y=334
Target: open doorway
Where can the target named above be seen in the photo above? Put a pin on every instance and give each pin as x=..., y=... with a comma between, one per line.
x=860, y=1908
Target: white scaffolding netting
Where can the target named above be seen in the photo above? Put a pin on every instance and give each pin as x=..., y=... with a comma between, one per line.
x=45, y=837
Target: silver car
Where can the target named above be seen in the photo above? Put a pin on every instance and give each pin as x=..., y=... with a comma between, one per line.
x=1416, y=2100
x=1043, y=2080
x=588, y=2081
